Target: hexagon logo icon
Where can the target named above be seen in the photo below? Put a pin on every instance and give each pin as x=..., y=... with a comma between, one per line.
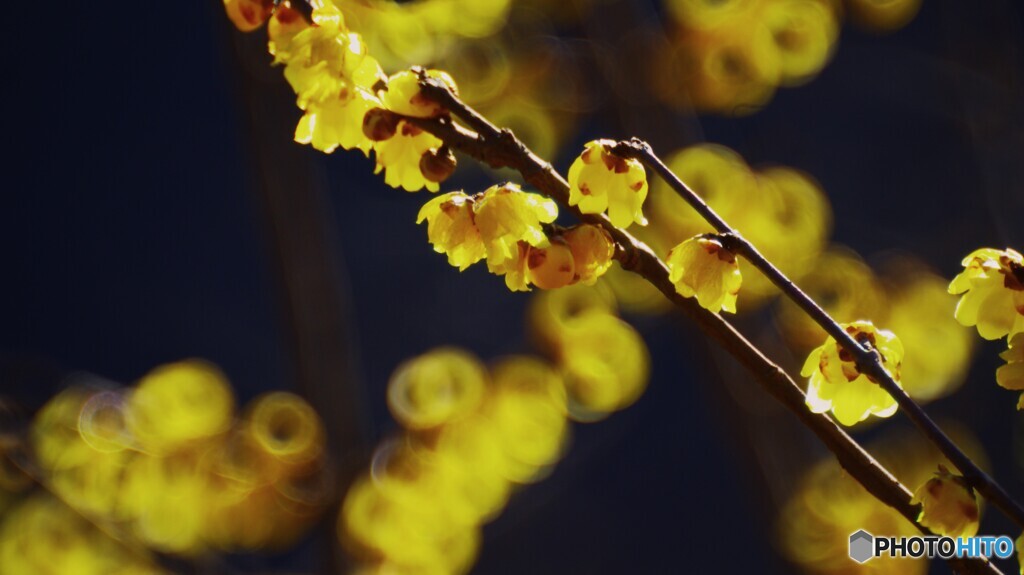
x=861, y=546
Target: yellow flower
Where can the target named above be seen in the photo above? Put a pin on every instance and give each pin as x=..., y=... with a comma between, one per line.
x=399, y=158
x=948, y=506
x=337, y=122
x=506, y=215
x=283, y=26
x=837, y=385
x=452, y=230
x=403, y=95
x=513, y=267
x=601, y=181
x=551, y=267
x=592, y=251
x=324, y=60
x=1011, y=375
x=702, y=267
x=992, y=285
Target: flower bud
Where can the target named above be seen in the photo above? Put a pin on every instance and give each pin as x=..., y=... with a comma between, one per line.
x=380, y=124
x=438, y=165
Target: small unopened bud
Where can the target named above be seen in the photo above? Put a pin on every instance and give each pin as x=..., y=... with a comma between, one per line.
x=380, y=124
x=438, y=165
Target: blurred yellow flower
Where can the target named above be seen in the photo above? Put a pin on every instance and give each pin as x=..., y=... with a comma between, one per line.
x=1011, y=375
x=179, y=403
x=702, y=267
x=845, y=287
x=948, y=505
x=437, y=387
x=882, y=15
x=805, y=33
x=938, y=349
x=606, y=365
x=837, y=385
x=992, y=288
x=601, y=181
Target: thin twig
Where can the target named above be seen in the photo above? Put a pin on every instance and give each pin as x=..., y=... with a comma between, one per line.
x=868, y=360
x=499, y=148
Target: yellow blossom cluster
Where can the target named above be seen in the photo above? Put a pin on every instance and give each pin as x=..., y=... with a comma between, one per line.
x=604, y=361
x=170, y=465
x=472, y=435
x=506, y=226
x=729, y=56
x=338, y=84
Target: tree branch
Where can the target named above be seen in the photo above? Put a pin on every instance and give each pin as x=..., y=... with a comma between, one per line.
x=868, y=360
x=499, y=148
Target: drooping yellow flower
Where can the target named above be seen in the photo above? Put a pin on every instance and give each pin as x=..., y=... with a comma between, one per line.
x=992, y=285
x=837, y=385
x=551, y=267
x=452, y=230
x=704, y=268
x=326, y=59
x=602, y=181
x=399, y=158
x=337, y=122
x=404, y=97
x=283, y=26
x=506, y=215
x=514, y=267
x=1011, y=375
x=948, y=505
x=592, y=251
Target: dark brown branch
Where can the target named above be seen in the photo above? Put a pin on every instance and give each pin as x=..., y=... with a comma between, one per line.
x=868, y=360
x=500, y=149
